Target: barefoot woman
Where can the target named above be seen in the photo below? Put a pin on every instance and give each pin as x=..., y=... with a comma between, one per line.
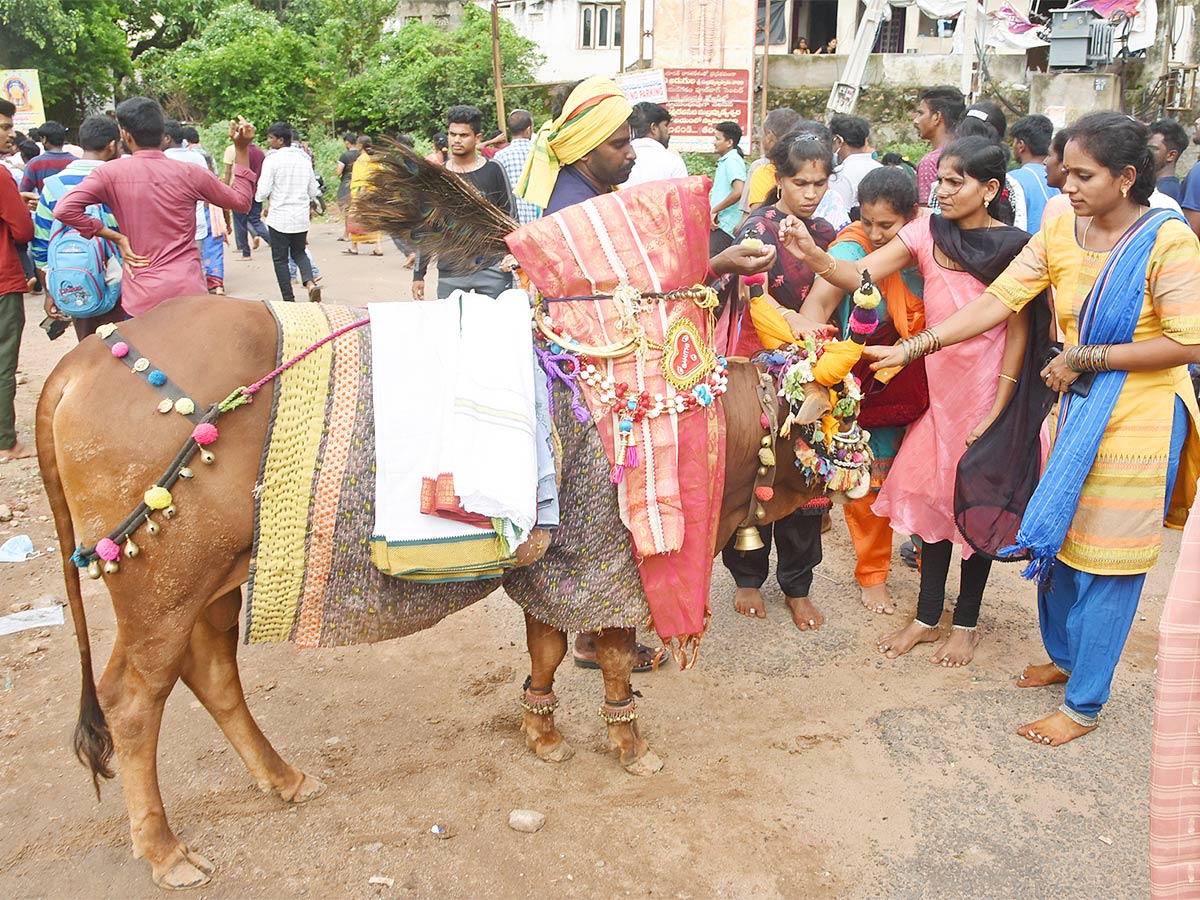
x=957, y=253
x=888, y=200
x=1128, y=310
x=802, y=169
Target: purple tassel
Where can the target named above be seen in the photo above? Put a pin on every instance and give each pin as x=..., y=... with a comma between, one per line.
x=565, y=368
x=618, y=473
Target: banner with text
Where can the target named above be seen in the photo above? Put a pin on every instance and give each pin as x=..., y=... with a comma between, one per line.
x=700, y=98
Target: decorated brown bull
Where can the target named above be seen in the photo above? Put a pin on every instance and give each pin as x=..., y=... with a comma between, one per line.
x=165, y=482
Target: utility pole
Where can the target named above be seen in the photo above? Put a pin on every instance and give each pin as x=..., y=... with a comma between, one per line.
x=766, y=60
x=642, y=31
x=970, y=28
x=623, y=29
x=501, y=118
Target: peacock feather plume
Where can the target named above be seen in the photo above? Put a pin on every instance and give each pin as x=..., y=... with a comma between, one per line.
x=434, y=210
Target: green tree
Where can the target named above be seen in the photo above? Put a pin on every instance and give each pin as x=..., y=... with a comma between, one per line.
x=78, y=48
x=418, y=72
x=244, y=62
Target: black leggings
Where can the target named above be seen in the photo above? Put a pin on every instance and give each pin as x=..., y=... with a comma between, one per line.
x=935, y=566
x=798, y=541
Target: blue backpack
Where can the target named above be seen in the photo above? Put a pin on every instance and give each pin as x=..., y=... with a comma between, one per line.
x=75, y=267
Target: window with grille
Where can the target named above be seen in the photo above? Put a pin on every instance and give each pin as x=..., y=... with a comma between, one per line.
x=600, y=26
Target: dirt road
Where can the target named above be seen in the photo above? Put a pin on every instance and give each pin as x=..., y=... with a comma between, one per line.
x=797, y=765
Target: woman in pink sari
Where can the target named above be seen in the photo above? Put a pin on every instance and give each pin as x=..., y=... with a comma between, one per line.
x=958, y=253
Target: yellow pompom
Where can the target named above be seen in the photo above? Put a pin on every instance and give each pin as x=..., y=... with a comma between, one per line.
x=867, y=299
x=157, y=498
x=184, y=406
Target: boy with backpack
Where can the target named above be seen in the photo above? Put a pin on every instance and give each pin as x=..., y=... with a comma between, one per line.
x=78, y=264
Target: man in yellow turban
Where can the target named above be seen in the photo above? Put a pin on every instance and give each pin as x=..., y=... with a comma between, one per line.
x=584, y=152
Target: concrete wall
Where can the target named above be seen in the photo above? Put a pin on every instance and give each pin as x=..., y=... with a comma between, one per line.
x=431, y=12
x=890, y=69
x=1065, y=97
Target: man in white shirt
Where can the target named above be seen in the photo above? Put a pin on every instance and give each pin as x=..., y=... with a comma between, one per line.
x=650, y=125
x=854, y=155
x=173, y=147
x=288, y=184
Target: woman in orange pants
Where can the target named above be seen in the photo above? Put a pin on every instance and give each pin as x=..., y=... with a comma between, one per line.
x=888, y=201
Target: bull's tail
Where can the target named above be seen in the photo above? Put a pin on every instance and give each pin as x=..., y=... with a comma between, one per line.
x=93, y=741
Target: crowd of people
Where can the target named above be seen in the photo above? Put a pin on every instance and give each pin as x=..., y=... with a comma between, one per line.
x=965, y=246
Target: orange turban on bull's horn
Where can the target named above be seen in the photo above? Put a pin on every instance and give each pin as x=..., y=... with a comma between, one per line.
x=594, y=110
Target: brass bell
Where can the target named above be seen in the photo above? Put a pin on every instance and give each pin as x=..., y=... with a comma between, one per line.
x=766, y=441
x=152, y=526
x=93, y=569
x=131, y=549
x=111, y=567
x=747, y=539
x=185, y=472
x=762, y=470
x=206, y=456
x=169, y=512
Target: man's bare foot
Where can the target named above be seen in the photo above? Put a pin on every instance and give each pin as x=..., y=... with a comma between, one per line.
x=1055, y=730
x=899, y=642
x=1040, y=676
x=804, y=614
x=17, y=451
x=958, y=650
x=876, y=598
x=749, y=602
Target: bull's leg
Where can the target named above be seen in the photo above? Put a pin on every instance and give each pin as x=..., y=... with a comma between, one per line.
x=616, y=651
x=132, y=692
x=210, y=670
x=547, y=647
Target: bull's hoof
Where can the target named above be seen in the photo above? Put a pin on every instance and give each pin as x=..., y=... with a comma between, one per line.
x=646, y=764
x=560, y=752
x=192, y=871
x=309, y=789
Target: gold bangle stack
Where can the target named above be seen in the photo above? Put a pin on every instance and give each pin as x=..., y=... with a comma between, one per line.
x=1087, y=358
x=829, y=271
x=921, y=344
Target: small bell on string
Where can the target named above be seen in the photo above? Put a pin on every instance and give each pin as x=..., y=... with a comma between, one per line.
x=169, y=512
x=748, y=539
x=93, y=569
x=185, y=472
x=152, y=526
x=207, y=456
x=131, y=549
x=112, y=567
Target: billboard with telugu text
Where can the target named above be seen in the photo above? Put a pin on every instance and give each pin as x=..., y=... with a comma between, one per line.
x=706, y=51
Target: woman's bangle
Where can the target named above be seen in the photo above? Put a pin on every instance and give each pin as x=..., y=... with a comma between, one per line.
x=1087, y=358
x=921, y=344
x=1007, y=377
x=829, y=271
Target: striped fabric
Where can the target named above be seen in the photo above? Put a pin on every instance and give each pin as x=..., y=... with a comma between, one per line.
x=53, y=190
x=1175, y=751
x=1117, y=526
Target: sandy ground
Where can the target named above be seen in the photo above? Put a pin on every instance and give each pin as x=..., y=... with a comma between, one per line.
x=797, y=765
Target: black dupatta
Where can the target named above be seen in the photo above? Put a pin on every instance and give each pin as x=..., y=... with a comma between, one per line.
x=999, y=472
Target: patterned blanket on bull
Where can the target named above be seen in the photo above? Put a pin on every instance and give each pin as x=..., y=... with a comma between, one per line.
x=311, y=577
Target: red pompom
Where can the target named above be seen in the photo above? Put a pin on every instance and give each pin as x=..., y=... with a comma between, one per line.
x=760, y=278
x=204, y=433
x=764, y=493
x=107, y=549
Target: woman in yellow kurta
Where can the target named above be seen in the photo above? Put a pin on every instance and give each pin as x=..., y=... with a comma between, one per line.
x=1094, y=524
x=360, y=180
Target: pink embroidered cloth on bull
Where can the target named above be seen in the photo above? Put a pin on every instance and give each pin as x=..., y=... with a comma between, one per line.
x=652, y=238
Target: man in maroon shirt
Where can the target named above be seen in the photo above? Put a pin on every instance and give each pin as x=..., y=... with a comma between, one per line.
x=16, y=227
x=154, y=200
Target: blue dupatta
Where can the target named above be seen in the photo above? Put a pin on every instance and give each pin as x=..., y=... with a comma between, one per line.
x=1109, y=316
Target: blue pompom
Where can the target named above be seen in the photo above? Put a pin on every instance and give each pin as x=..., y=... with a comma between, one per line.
x=156, y=378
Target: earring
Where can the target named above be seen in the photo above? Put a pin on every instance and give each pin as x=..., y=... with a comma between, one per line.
x=1125, y=191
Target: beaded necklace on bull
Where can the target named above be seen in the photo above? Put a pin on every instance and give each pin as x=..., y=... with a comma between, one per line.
x=688, y=364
